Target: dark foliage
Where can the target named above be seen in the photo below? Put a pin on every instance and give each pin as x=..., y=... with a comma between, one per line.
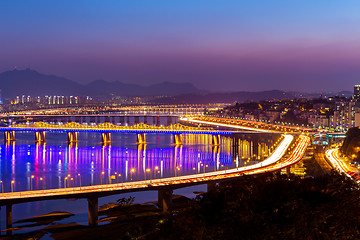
x=126, y=201
x=270, y=207
x=351, y=144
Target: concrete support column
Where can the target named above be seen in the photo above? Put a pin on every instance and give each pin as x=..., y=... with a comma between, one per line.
x=40, y=136
x=106, y=138
x=9, y=218
x=6, y=136
x=93, y=211
x=235, y=146
x=216, y=140
x=157, y=121
x=169, y=121
x=141, y=138
x=211, y=186
x=122, y=120
x=288, y=170
x=165, y=200
x=177, y=139
x=72, y=137
x=255, y=145
x=9, y=136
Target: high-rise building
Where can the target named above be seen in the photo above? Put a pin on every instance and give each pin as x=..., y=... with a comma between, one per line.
x=357, y=91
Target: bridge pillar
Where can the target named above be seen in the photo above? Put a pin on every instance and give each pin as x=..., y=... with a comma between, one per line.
x=122, y=120
x=211, y=186
x=106, y=138
x=216, y=140
x=9, y=136
x=165, y=200
x=141, y=138
x=177, y=139
x=9, y=219
x=40, y=136
x=72, y=137
x=93, y=211
x=288, y=171
x=169, y=120
x=157, y=120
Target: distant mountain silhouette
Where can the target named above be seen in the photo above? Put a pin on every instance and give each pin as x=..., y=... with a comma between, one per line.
x=29, y=82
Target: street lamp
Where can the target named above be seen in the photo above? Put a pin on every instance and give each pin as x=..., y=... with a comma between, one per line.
x=42, y=182
x=147, y=170
x=79, y=179
x=156, y=169
x=12, y=185
x=131, y=172
x=2, y=186
x=102, y=176
x=31, y=184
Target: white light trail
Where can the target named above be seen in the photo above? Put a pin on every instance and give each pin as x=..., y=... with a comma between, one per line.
x=225, y=125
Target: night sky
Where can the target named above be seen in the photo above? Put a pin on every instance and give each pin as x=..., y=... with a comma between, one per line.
x=223, y=45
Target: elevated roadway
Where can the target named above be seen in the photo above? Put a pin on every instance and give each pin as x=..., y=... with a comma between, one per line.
x=342, y=165
x=165, y=186
x=155, y=184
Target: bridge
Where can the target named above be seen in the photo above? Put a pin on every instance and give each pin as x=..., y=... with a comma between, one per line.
x=164, y=186
x=176, y=110
x=236, y=123
x=72, y=129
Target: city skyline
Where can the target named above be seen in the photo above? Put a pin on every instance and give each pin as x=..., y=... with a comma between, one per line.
x=237, y=46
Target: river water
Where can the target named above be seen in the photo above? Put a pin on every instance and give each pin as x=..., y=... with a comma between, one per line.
x=25, y=165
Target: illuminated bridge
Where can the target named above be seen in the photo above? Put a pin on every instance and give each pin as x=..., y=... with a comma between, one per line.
x=288, y=152
x=164, y=186
x=72, y=129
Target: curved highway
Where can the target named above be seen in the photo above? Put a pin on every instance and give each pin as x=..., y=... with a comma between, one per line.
x=272, y=163
x=333, y=155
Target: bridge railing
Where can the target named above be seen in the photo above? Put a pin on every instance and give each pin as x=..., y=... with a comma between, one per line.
x=110, y=126
x=276, y=156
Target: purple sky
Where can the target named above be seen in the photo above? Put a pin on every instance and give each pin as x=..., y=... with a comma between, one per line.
x=217, y=45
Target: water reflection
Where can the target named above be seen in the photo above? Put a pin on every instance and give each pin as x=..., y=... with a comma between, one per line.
x=34, y=166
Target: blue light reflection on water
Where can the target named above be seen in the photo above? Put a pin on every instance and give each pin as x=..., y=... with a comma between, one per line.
x=55, y=160
x=32, y=166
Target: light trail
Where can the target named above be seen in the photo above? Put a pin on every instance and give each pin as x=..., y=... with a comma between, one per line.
x=333, y=156
x=266, y=166
x=251, y=125
x=225, y=125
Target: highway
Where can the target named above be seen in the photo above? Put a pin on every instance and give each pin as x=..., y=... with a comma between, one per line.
x=245, y=124
x=270, y=164
x=319, y=155
x=225, y=125
x=333, y=155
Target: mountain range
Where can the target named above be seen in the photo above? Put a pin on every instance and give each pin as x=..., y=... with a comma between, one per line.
x=32, y=83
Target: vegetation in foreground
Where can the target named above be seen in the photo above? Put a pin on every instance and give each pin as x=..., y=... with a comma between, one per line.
x=253, y=207
x=351, y=145
x=270, y=207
